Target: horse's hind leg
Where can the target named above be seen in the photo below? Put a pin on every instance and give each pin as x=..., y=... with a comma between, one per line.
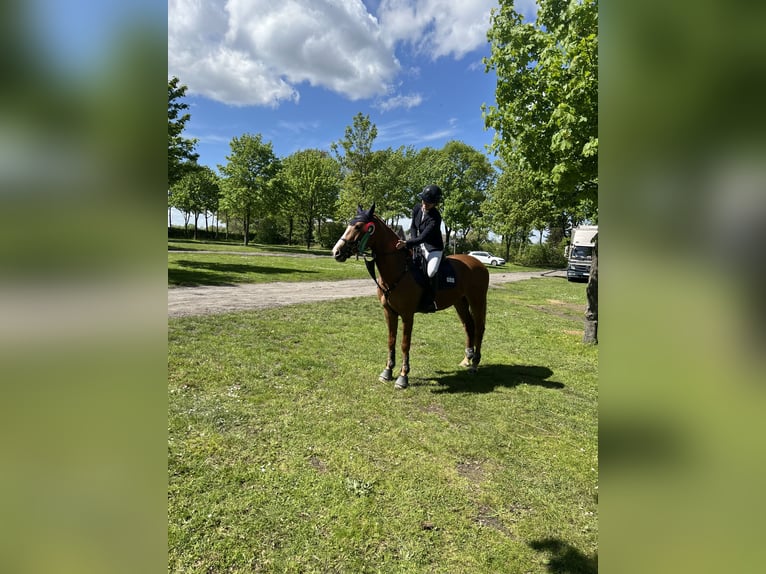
x=463, y=311
x=479, y=313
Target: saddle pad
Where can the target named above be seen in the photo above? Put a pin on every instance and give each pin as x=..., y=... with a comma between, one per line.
x=446, y=274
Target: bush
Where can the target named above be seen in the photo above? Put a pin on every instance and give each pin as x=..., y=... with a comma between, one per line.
x=545, y=255
x=330, y=233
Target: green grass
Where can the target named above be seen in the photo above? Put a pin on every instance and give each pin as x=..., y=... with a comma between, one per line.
x=221, y=245
x=286, y=454
x=232, y=264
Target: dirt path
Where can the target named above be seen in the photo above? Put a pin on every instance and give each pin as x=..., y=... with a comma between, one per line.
x=187, y=301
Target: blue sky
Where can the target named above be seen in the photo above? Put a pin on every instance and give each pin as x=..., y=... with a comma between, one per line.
x=298, y=71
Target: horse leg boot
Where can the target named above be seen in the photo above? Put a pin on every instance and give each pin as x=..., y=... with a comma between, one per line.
x=388, y=372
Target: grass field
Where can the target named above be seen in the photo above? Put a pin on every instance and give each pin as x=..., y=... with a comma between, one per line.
x=230, y=264
x=285, y=453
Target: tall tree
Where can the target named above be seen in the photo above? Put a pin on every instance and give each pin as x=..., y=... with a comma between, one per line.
x=251, y=185
x=196, y=193
x=313, y=180
x=181, y=156
x=515, y=206
x=547, y=95
x=467, y=176
x=393, y=185
x=358, y=162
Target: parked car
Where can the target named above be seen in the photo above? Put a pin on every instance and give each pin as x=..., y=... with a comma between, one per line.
x=487, y=258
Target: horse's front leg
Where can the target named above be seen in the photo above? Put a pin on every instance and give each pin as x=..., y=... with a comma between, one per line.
x=402, y=382
x=392, y=321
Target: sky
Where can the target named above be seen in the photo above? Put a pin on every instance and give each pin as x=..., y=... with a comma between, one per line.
x=298, y=71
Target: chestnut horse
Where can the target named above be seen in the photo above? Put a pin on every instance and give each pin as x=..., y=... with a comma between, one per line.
x=400, y=292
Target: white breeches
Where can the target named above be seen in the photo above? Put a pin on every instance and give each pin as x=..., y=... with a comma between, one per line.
x=433, y=258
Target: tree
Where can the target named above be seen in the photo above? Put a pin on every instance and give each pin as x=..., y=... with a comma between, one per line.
x=393, y=187
x=467, y=176
x=181, y=156
x=251, y=184
x=358, y=163
x=313, y=180
x=547, y=95
x=515, y=207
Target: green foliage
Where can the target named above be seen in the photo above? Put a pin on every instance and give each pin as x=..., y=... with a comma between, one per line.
x=545, y=255
x=285, y=453
x=251, y=185
x=547, y=95
x=465, y=179
x=330, y=232
x=196, y=192
x=359, y=164
x=313, y=180
x=180, y=149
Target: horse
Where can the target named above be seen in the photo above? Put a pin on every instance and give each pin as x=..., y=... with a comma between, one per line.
x=400, y=291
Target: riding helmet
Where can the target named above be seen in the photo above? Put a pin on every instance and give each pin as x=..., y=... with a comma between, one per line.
x=431, y=194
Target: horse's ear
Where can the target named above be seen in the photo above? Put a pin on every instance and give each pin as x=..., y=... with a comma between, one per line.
x=372, y=209
x=359, y=209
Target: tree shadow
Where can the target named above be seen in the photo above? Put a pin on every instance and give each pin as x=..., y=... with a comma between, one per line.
x=565, y=558
x=489, y=377
x=195, y=273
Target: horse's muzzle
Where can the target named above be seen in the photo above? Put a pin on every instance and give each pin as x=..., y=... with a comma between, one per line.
x=340, y=257
x=342, y=250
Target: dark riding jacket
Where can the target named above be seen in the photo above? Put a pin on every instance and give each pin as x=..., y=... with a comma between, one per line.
x=427, y=230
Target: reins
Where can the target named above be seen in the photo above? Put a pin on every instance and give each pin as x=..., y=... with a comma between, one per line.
x=369, y=262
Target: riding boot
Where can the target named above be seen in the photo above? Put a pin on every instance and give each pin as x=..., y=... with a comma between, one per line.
x=434, y=288
x=428, y=300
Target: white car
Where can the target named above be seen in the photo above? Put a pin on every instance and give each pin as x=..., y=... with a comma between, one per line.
x=487, y=258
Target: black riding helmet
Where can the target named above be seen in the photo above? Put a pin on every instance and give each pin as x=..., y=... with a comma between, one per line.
x=431, y=194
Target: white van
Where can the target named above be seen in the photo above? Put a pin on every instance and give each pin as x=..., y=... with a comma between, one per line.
x=580, y=252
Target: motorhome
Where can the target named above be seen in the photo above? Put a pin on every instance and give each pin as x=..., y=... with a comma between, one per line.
x=580, y=252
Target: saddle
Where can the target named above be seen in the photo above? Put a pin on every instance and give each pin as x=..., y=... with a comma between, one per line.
x=447, y=279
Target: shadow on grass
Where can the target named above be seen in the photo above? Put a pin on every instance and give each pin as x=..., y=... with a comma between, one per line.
x=196, y=273
x=489, y=377
x=565, y=558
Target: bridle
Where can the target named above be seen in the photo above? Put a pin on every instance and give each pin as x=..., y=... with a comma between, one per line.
x=358, y=247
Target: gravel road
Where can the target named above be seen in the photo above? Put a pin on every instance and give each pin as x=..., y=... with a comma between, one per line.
x=188, y=301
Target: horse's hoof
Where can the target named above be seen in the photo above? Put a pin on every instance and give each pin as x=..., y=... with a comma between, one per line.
x=472, y=369
x=385, y=376
x=465, y=363
x=401, y=382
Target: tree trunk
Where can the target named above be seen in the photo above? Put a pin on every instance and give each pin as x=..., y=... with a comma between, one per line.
x=591, y=293
x=246, y=227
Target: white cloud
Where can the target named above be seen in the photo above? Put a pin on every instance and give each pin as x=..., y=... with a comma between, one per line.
x=255, y=52
x=437, y=27
x=411, y=131
x=259, y=52
x=395, y=102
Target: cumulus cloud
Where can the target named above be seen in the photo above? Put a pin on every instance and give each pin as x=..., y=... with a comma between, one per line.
x=259, y=52
x=437, y=27
x=256, y=52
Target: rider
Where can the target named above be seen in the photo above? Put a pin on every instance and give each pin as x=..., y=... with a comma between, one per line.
x=426, y=232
